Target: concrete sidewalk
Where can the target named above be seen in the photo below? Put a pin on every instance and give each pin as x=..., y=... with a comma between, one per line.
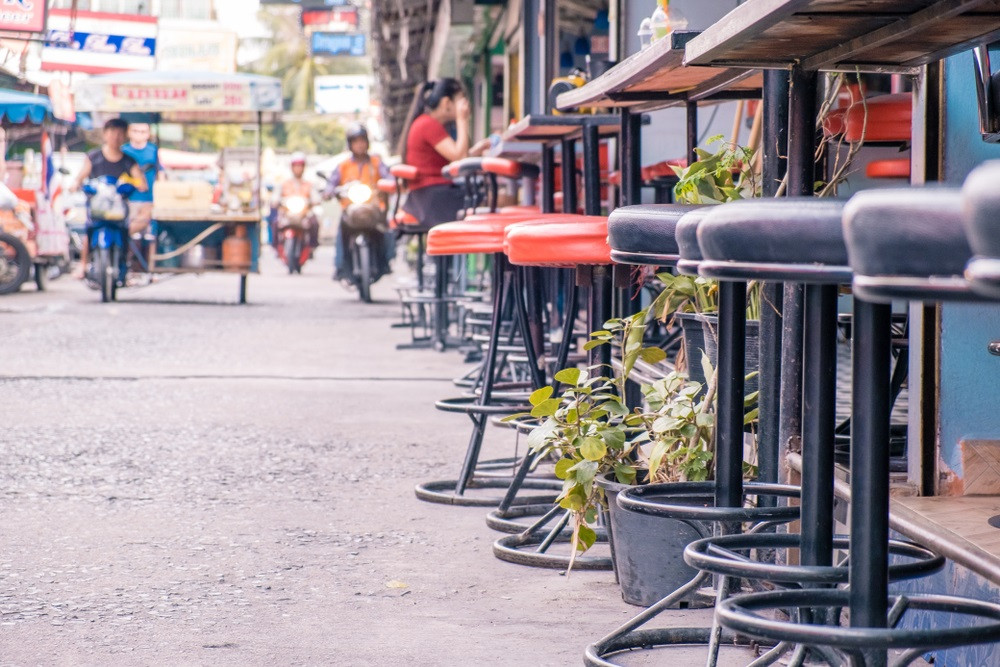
x=187, y=481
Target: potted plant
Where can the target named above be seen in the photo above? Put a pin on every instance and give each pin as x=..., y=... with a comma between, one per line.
x=726, y=175
x=603, y=446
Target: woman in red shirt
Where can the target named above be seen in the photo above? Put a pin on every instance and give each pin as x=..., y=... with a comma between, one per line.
x=429, y=147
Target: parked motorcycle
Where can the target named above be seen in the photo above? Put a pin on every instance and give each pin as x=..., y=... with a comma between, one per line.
x=295, y=221
x=107, y=211
x=363, y=233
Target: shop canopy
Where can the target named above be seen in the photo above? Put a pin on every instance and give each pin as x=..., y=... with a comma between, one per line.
x=18, y=107
x=198, y=97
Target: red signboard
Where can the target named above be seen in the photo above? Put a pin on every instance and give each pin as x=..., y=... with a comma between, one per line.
x=22, y=15
x=348, y=16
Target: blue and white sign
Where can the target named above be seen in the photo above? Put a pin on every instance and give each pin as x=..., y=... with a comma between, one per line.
x=97, y=43
x=338, y=44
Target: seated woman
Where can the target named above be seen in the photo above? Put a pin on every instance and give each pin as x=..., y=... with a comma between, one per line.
x=432, y=198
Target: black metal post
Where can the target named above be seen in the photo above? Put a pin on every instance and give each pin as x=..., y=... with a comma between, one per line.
x=729, y=432
x=600, y=312
x=774, y=147
x=801, y=178
x=548, y=176
x=870, y=470
x=591, y=170
x=569, y=175
x=692, y=131
x=550, y=64
x=630, y=167
x=819, y=393
x=501, y=278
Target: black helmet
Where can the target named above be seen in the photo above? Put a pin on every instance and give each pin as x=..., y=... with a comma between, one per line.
x=356, y=131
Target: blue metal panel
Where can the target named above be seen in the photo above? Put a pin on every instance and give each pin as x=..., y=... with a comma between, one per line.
x=970, y=377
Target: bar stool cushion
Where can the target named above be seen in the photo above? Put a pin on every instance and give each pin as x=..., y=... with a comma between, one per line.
x=407, y=172
x=406, y=222
x=481, y=233
x=892, y=168
x=561, y=241
x=467, y=166
x=982, y=225
x=889, y=118
x=686, y=235
x=793, y=238
x=907, y=243
x=645, y=234
x=386, y=185
x=500, y=166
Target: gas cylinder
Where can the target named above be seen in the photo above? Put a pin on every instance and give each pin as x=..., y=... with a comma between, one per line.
x=236, y=249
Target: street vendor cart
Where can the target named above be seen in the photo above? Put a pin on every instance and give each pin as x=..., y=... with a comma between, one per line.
x=190, y=233
x=32, y=239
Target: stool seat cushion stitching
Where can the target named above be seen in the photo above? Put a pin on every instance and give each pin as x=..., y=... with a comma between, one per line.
x=791, y=230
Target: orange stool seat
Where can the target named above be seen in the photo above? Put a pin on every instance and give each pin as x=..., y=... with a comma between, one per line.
x=520, y=209
x=386, y=185
x=405, y=171
x=404, y=219
x=562, y=241
x=890, y=118
x=479, y=233
x=894, y=168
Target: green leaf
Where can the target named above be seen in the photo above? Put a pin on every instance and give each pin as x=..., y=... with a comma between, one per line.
x=540, y=395
x=568, y=376
x=652, y=355
x=593, y=448
x=585, y=537
x=706, y=367
x=563, y=467
x=591, y=344
x=515, y=417
x=546, y=408
x=624, y=473
x=574, y=500
x=614, y=437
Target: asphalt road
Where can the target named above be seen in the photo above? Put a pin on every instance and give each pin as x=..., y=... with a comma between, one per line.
x=184, y=480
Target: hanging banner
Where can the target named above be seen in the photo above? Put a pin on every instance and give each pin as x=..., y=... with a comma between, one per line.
x=22, y=15
x=99, y=43
x=338, y=44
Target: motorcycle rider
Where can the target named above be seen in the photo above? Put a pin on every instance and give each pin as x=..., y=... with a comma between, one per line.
x=297, y=186
x=107, y=161
x=367, y=169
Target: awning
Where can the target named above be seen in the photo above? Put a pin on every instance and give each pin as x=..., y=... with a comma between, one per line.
x=18, y=107
x=182, y=96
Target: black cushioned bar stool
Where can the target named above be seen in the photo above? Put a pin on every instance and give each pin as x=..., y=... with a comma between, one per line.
x=705, y=506
x=896, y=240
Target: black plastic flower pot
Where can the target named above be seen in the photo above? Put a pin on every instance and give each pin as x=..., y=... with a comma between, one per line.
x=647, y=551
x=694, y=344
x=710, y=326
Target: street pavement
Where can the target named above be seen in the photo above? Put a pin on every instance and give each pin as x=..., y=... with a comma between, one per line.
x=188, y=481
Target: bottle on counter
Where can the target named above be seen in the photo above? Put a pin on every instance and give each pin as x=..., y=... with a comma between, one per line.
x=645, y=33
x=659, y=23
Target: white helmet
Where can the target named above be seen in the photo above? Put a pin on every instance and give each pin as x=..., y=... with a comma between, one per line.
x=298, y=157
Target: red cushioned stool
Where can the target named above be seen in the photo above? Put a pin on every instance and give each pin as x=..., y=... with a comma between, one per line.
x=482, y=234
x=580, y=243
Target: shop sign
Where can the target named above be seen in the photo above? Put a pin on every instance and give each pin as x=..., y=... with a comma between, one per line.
x=325, y=17
x=338, y=44
x=98, y=42
x=342, y=93
x=22, y=15
x=198, y=50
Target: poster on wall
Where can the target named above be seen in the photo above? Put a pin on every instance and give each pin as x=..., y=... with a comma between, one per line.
x=99, y=43
x=22, y=15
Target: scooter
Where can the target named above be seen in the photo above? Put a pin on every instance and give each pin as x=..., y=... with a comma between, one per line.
x=364, y=231
x=107, y=211
x=295, y=221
